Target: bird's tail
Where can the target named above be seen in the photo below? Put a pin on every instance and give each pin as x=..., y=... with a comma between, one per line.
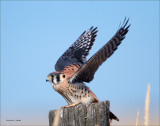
x=112, y=116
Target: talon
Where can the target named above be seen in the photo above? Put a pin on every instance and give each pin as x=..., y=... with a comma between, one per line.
x=72, y=105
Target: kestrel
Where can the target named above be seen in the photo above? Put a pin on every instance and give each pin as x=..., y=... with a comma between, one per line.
x=73, y=68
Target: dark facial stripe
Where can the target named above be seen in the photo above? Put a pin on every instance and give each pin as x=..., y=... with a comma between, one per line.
x=58, y=78
x=52, y=79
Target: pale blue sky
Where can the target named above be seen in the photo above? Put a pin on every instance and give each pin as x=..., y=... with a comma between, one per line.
x=35, y=34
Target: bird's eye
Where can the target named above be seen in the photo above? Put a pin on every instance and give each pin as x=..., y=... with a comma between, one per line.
x=63, y=76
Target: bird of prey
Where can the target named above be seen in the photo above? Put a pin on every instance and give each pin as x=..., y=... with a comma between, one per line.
x=73, y=68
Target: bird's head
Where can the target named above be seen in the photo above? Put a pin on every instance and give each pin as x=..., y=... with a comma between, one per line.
x=55, y=78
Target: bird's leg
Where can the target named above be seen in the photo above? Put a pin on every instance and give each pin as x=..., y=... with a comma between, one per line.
x=71, y=105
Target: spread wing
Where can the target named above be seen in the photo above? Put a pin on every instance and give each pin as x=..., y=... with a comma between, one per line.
x=87, y=71
x=77, y=53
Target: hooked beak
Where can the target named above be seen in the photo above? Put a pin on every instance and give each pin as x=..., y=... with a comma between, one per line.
x=47, y=80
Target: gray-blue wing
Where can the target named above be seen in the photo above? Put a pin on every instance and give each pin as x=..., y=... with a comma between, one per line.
x=78, y=51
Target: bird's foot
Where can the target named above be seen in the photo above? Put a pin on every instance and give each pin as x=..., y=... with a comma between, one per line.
x=71, y=105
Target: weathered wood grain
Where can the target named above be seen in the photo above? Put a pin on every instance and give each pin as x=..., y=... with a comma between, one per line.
x=96, y=114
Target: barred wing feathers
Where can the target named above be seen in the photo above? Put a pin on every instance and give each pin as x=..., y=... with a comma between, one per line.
x=78, y=51
x=87, y=71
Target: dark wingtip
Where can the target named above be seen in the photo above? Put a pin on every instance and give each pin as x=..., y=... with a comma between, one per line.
x=94, y=29
x=124, y=27
x=91, y=28
x=94, y=32
x=125, y=22
x=128, y=26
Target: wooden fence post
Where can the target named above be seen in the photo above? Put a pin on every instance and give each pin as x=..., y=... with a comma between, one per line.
x=96, y=114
